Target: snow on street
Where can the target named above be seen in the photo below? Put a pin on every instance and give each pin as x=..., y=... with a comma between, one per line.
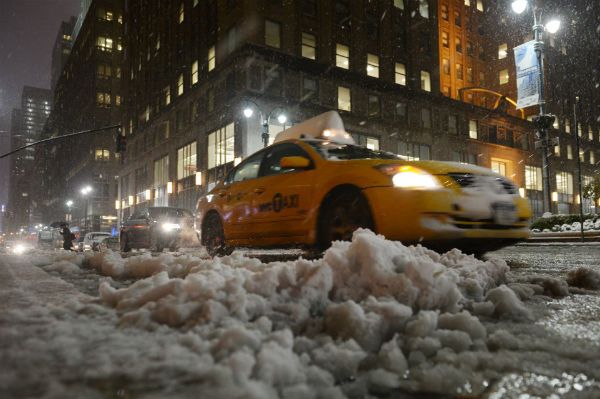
x=372, y=317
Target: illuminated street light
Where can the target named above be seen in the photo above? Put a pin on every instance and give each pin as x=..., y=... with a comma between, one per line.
x=69, y=203
x=281, y=118
x=85, y=191
x=553, y=26
x=519, y=6
x=248, y=112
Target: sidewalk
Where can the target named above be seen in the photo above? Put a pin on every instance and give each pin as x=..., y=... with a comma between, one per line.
x=564, y=237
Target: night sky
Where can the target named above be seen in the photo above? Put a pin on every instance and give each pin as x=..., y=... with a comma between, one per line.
x=28, y=29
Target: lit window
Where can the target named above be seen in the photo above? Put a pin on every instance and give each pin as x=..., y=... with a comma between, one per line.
x=444, y=10
x=480, y=5
x=195, y=72
x=400, y=74
x=181, y=13
x=186, y=161
x=567, y=126
x=373, y=65
x=582, y=155
x=167, y=95
x=399, y=4
x=221, y=144
x=579, y=129
x=309, y=46
x=533, y=178
x=569, y=151
x=109, y=16
x=157, y=45
x=467, y=3
x=272, y=34
x=458, y=45
x=470, y=74
x=117, y=100
x=473, y=129
x=445, y=39
x=592, y=158
x=502, y=51
x=503, y=76
x=342, y=56
x=104, y=43
x=425, y=81
x=459, y=71
x=161, y=180
x=344, y=99
x=195, y=3
x=499, y=166
x=564, y=186
x=557, y=150
x=180, y=85
x=146, y=114
x=103, y=99
x=590, y=133
x=424, y=8
x=211, y=58
x=102, y=154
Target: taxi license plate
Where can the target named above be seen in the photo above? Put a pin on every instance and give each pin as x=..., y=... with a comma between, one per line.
x=504, y=213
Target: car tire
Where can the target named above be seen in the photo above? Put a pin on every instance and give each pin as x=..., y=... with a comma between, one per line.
x=213, y=236
x=124, y=242
x=156, y=244
x=341, y=215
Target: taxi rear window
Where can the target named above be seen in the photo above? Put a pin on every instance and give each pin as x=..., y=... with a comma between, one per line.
x=333, y=151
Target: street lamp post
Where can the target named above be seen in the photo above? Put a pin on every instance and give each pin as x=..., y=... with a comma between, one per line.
x=85, y=191
x=69, y=204
x=281, y=118
x=543, y=121
x=579, y=178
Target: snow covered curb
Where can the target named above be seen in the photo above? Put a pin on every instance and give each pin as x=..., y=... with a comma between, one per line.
x=371, y=317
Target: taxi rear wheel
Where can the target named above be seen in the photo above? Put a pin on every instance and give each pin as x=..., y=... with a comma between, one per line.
x=213, y=236
x=344, y=213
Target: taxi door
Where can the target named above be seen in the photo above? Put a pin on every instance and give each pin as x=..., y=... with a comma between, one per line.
x=281, y=198
x=236, y=197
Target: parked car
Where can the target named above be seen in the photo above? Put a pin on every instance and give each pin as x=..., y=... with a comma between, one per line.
x=156, y=228
x=105, y=243
x=92, y=239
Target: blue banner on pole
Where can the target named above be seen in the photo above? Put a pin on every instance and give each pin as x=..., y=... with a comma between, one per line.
x=528, y=76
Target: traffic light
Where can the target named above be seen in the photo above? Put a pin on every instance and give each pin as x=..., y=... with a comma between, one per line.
x=120, y=141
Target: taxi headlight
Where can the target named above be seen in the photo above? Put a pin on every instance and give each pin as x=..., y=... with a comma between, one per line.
x=410, y=177
x=19, y=249
x=170, y=226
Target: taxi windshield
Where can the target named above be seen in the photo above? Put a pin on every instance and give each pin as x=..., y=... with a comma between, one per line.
x=335, y=151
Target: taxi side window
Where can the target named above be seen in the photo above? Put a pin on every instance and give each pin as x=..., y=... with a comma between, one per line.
x=248, y=169
x=271, y=163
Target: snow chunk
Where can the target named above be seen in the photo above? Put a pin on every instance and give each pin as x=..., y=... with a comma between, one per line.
x=507, y=304
x=584, y=277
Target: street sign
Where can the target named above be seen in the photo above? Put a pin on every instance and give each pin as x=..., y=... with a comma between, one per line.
x=553, y=142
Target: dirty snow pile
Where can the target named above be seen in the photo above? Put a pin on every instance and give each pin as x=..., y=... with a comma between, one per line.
x=371, y=316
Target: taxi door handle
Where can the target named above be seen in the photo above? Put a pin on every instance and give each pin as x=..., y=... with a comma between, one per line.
x=259, y=190
x=222, y=193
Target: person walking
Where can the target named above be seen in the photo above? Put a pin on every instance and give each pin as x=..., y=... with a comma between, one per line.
x=68, y=237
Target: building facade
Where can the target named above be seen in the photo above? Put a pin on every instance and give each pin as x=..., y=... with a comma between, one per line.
x=87, y=96
x=61, y=50
x=26, y=126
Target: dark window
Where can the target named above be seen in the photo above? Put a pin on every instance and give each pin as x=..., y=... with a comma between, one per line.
x=342, y=14
x=271, y=162
x=372, y=25
x=374, y=107
x=310, y=89
x=401, y=111
x=273, y=81
x=309, y=8
x=255, y=78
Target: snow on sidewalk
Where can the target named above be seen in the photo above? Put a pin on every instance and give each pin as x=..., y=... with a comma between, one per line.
x=371, y=317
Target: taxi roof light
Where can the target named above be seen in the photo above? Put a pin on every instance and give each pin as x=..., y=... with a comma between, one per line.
x=328, y=125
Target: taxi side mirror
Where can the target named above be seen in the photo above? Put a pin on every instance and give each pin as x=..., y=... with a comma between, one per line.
x=295, y=162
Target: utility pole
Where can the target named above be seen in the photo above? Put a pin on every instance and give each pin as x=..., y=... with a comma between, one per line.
x=579, y=178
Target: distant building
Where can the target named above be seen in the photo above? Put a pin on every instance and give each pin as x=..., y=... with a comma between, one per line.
x=87, y=96
x=61, y=50
x=26, y=126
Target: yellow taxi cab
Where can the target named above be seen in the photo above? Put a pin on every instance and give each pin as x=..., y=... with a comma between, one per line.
x=313, y=185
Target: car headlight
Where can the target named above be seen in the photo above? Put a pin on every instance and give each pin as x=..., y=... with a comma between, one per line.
x=170, y=226
x=409, y=177
x=19, y=249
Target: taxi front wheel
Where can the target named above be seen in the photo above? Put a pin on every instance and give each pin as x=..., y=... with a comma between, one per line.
x=213, y=236
x=342, y=215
